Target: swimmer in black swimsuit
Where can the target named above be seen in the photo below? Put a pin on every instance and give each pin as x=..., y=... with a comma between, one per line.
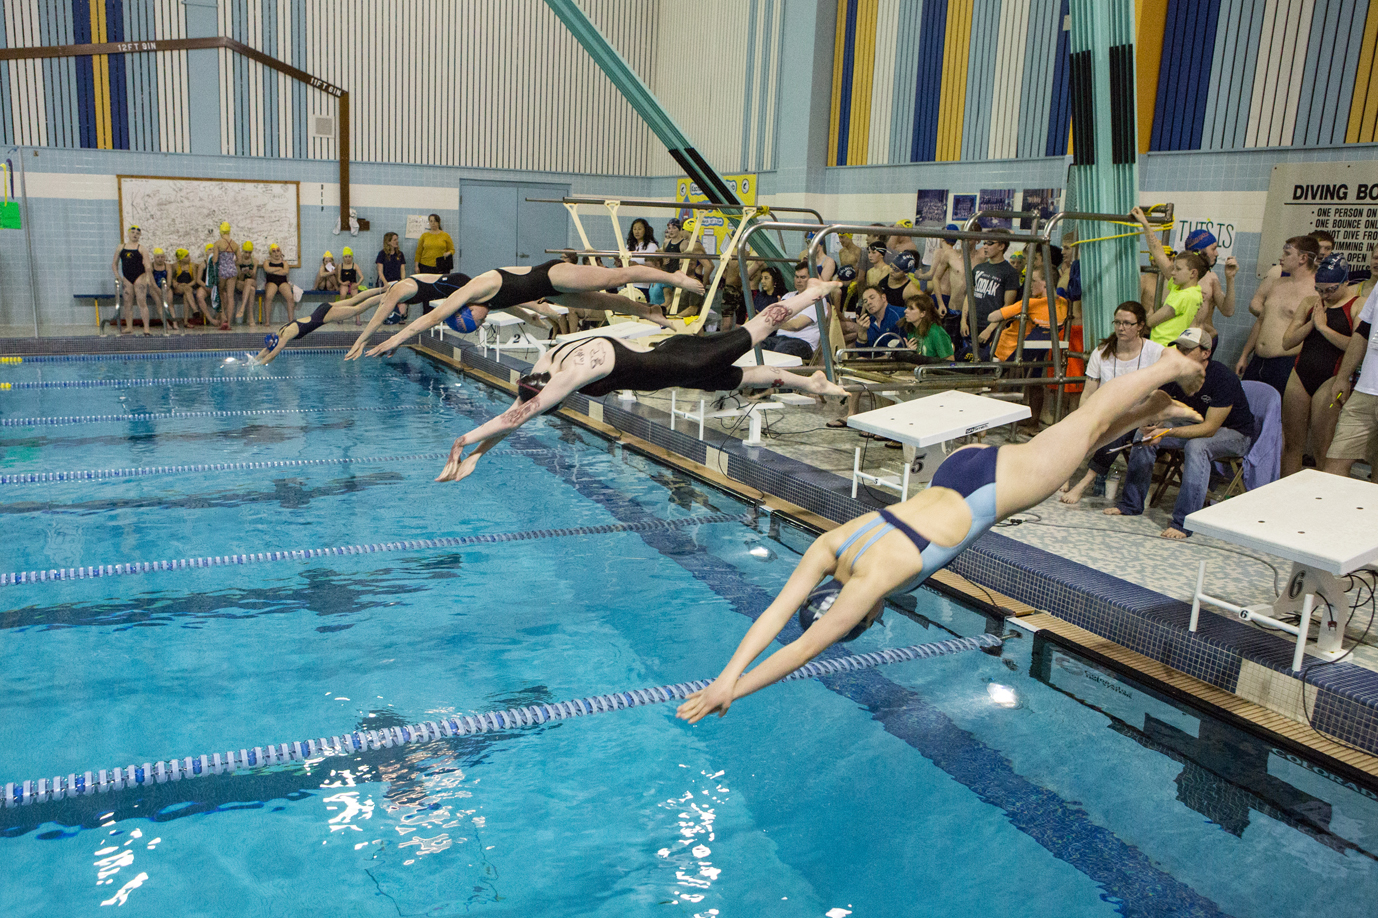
x=1322, y=325
x=132, y=267
x=186, y=281
x=321, y=315
x=572, y=286
x=876, y=555
x=599, y=365
x=275, y=283
x=423, y=289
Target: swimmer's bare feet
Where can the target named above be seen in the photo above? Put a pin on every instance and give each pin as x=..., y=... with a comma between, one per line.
x=820, y=386
x=685, y=282
x=1180, y=411
x=1187, y=372
x=1114, y=511
x=1172, y=532
x=1071, y=494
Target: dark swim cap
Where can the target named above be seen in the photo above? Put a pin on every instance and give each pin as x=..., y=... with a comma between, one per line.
x=1332, y=270
x=818, y=604
x=846, y=274
x=530, y=386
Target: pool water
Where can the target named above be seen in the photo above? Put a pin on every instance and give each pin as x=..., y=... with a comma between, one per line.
x=1025, y=781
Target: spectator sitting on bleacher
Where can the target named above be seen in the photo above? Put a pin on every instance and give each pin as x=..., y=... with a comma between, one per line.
x=246, y=283
x=328, y=275
x=275, y=284
x=923, y=331
x=879, y=320
x=799, y=336
x=188, y=282
x=1037, y=331
x=391, y=264
x=351, y=278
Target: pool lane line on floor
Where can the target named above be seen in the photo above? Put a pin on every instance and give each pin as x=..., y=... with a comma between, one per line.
x=42, y=790
x=174, y=415
x=20, y=478
x=162, y=355
x=143, y=383
x=304, y=554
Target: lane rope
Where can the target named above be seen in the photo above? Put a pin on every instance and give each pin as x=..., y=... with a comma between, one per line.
x=104, y=781
x=162, y=355
x=303, y=554
x=173, y=415
x=160, y=381
x=93, y=474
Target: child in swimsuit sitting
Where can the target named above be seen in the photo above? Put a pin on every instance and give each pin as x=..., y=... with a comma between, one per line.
x=878, y=554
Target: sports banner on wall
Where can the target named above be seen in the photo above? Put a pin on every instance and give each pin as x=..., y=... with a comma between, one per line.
x=1341, y=198
x=996, y=199
x=930, y=209
x=963, y=206
x=716, y=230
x=1042, y=201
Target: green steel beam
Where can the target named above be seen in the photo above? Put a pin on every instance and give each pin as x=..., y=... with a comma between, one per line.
x=636, y=92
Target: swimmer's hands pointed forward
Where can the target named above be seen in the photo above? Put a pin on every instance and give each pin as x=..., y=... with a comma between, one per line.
x=458, y=466
x=357, y=350
x=388, y=346
x=717, y=697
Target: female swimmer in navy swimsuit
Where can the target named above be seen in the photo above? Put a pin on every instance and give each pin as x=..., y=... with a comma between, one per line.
x=325, y=313
x=599, y=365
x=573, y=286
x=897, y=549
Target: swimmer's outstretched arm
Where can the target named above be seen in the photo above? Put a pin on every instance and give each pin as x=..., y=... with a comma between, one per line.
x=285, y=334
x=481, y=288
x=390, y=299
x=489, y=435
x=851, y=607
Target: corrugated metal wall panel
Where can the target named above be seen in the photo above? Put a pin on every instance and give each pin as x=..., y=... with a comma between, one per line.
x=883, y=81
x=1009, y=80
x=908, y=25
x=980, y=83
x=1036, y=95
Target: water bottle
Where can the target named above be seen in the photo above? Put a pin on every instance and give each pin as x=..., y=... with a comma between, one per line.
x=1112, y=485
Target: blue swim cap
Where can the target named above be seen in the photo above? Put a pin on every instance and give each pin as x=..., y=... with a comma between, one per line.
x=846, y=273
x=270, y=341
x=1333, y=269
x=462, y=321
x=1199, y=240
x=952, y=227
x=818, y=604
x=905, y=261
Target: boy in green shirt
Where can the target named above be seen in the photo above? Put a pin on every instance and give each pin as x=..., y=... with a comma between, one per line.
x=1184, y=295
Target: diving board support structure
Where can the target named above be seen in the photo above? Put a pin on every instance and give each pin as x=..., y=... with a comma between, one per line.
x=1326, y=525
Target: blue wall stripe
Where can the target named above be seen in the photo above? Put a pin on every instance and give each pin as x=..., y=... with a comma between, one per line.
x=86, y=77
x=1332, y=49
x=300, y=135
x=1182, y=24
x=1166, y=75
x=1335, y=113
x=270, y=81
x=906, y=75
x=1225, y=69
x=119, y=89
x=769, y=109
x=1237, y=125
x=984, y=42
x=928, y=87
x=751, y=52
x=6, y=115
x=1202, y=72
x=1038, y=56
x=844, y=109
x=1060, y=110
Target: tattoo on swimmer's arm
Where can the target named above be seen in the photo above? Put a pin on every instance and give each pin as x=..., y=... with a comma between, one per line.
x=775, y=315
x=518, y=414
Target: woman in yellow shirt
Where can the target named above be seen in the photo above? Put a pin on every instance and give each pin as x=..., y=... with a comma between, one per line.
x=433, y=245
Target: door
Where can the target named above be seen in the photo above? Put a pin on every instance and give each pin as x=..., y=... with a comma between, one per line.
x=499, y=227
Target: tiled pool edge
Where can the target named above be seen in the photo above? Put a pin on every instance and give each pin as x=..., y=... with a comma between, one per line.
x=1342, y=699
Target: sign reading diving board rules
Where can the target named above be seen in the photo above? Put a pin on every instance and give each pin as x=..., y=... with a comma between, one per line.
x=1341, y=198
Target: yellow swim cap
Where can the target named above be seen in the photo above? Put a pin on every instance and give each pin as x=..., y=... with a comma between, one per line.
x=157, y=251
x=209, y=246
x=248, y=246
x=906, y=223
x=347, y=251
x=327, y=255
x=224, y=227
x=274, y=245
x=182, y=253
x=688, y=225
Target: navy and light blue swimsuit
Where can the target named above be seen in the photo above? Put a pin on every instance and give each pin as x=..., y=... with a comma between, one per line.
x=971, y=473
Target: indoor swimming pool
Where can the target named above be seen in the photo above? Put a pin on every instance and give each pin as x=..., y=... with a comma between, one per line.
x=1020, y=781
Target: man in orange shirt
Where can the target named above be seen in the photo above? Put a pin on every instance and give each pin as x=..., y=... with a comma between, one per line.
x=1037, y=331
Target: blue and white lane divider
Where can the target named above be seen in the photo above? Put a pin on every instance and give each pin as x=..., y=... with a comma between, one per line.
x=175, y=415
x=304, y=554
x=169, y=355
x=163, y=470
x=278, y=754
x=143, y=383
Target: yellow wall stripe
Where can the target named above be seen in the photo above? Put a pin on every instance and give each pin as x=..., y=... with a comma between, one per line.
x=839, y=40
x=1363, y=109
x=952, y=103
x=100, y=68
x=863, y=76
x=1148, y=57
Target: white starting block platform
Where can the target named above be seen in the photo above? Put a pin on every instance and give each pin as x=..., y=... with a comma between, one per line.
x=624, y=330
x=1326, y=525
x=772, y=359
x=929, y=421
x=753, y=412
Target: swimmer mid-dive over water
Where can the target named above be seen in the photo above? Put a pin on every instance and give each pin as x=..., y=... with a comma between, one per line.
x=571, y=286
x=599, y=365
x=323, y=314
x=898, y=548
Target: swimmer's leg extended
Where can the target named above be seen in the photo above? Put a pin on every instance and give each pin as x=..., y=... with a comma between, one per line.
x=1029, y=473
x=568, y=278
x=611, y=302
x=766, y=322
x=766, y=377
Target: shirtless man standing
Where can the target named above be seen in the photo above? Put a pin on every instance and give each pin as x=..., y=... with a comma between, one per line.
x=850, y=254
x=1274, y=304
x=1323, y=239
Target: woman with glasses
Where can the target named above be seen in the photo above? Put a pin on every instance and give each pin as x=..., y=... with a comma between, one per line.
x=1322, y=325
x=1124, y=350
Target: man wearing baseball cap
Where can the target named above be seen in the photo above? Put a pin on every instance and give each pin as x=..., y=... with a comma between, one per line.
x=1213, y=296
x=1226, y=430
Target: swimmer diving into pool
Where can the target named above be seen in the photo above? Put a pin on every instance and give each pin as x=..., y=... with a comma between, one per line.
x=572, y=286
x=599, y=365
x=323, y=314
x=898, y=548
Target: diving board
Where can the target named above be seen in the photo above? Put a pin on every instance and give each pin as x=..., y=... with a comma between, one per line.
x=929, y=421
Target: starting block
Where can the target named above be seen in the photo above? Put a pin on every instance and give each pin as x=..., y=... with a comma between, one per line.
x=753, y=412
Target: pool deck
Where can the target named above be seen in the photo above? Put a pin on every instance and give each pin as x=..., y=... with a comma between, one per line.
x=1111, y=577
